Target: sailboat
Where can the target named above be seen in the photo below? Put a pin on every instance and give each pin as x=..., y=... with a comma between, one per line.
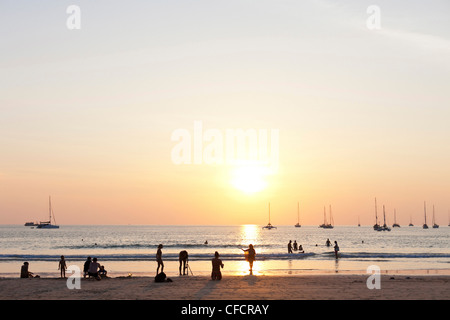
x=410, y=222
x=395, y=225
x=48, y=224
x=425, y=226
x=326, y=225
x=269, y=226
x=435, y=225
x=384, y=227
x=359, y=224
x=297, y=225
x=376, y=226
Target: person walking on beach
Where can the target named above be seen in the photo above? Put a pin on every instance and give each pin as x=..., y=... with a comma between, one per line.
x=159, y=259
x=336, y=249
x=290, y=246
x=87, y=263
x=183, y=258
x=250, y=256
x=216, y=265
x=62, y=266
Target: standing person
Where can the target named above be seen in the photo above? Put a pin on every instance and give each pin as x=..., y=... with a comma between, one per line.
x=183, y=258
x=159, y=259
x=336, y=249
x=62, y=266
x=290, y=246
x=295, y=245
x=216, y=265
x=250, y=256
x=87, y=263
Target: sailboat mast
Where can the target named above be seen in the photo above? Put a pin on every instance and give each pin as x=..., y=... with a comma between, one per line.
x=376, y=212
x=384, y=215
x=425, y=211
x=298, y=212
x=49, y=208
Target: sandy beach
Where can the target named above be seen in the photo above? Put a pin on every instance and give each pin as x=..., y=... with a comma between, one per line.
x=305, y=287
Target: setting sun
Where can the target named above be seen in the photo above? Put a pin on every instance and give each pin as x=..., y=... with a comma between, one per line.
x=249, y=179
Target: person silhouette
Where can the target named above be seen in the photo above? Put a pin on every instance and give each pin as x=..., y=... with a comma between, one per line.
x=250, y=256
x=183, y=258
x=159, y=259
x=216, y=265
x=290, y=246
x=62, y=266
x=336, y=249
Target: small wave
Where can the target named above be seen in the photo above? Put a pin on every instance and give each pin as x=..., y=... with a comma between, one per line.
x=382, y=255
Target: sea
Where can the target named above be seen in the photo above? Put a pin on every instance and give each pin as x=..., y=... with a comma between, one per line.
x=130, y=250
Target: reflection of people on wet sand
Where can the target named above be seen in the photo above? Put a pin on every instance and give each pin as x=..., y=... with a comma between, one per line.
x=250, y=255
x=216, y=265
x=159, y=259
x=183, y=258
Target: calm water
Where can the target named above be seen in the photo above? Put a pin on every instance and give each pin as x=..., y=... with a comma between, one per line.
x=132, y=249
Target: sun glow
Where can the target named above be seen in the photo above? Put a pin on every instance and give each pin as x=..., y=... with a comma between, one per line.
x=249, y=179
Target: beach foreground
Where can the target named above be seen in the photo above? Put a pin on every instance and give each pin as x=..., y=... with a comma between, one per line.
x=305, y=287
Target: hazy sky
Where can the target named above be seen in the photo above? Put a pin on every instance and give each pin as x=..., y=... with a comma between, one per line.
x=87, y=115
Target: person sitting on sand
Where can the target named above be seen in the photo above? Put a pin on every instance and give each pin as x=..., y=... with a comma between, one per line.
x=102, y=272
x=250, y=256
x=159, y=259
x=62, y=266
x=216, y=265
x=183, y=258
x=87, y=263
x=24, y=273
x=93, y=269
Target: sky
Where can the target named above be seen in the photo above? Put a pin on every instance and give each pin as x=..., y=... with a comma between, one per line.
x=118, y=120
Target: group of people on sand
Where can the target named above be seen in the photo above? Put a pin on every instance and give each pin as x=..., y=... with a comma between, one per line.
x=295, y=247
x=91, y=268
x=216, y=262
